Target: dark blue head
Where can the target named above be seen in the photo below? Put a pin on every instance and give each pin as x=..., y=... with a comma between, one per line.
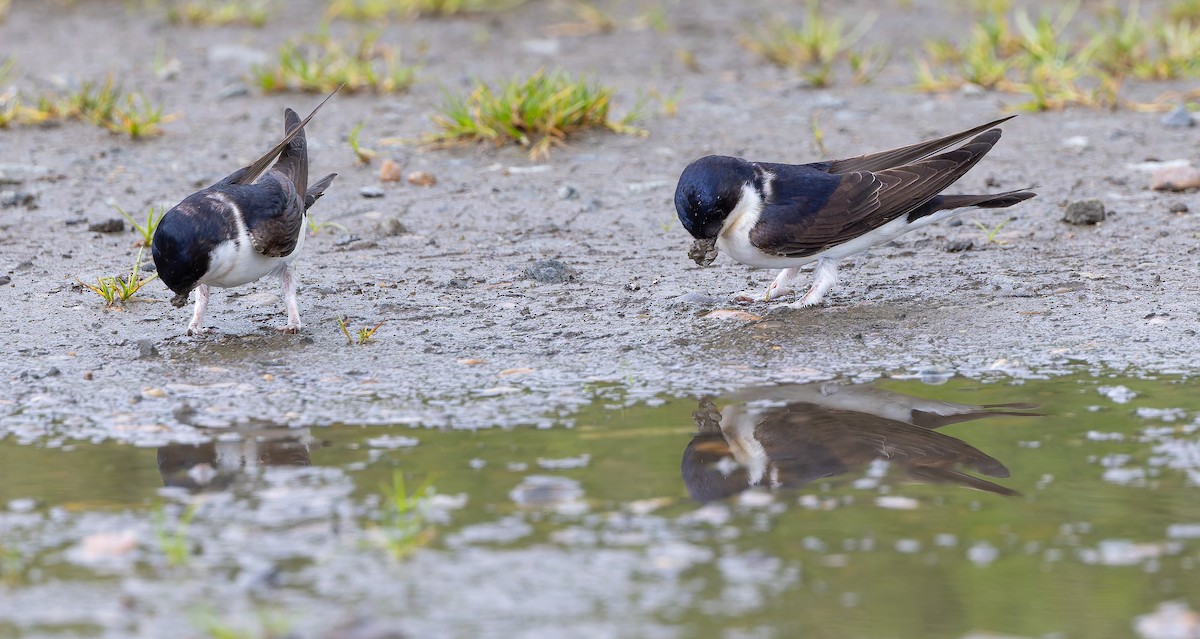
x=183, y=245
x=709, y=189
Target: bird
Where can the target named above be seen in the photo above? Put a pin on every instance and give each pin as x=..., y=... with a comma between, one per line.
x=770, y=215
x=248, y=225
x=787, y=436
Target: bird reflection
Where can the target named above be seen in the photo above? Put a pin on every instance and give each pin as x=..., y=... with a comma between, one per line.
x=788, y=436
x=216, y=465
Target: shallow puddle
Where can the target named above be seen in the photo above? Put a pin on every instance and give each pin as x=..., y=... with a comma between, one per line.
x=1067, y=507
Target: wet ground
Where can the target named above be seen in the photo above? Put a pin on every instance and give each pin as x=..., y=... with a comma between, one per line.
x=1064, y=509
x=551, y=413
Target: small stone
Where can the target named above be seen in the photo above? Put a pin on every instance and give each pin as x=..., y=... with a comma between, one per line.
x=959, y=245
x=732, y=314
x=391, y=227
x=1084, y=212
x=233, y=91
x=5, y=280
x=1175, y=178
x=1077, y=143
x=549, y=272
x=146, y=349
x=113, y=225
x=370, y=192
x=471, y=361
x=1179, y=118
x=421, y=178
x=1178, y=207
x=390, y=171
x=568, y=192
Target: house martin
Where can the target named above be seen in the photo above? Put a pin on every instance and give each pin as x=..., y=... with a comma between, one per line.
x=769, y=215
x=248, y=225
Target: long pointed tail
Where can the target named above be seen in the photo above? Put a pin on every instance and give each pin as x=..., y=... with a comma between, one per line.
x=993, y=201
x=293, y=160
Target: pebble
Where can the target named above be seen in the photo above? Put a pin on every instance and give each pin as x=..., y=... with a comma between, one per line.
x=568, y=192
x=233, y=91
x=371, y=192
x=1175, y=178
x=391, y=227
x=1077, y=143
x=1178, y=207
x=5, y=280
x=959, y=245
x=696, y=298
x=390, y=171
x=1084, y=212
x=112, y=225
x=16, y=198
x=146, y=349
x=1179, y=118
x=421, y=178
x=549, y=272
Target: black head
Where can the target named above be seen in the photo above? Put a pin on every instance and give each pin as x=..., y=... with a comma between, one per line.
x=182, y=250
x=709, y=189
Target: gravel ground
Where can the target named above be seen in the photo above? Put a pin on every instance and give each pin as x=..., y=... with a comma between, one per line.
x=478, y=330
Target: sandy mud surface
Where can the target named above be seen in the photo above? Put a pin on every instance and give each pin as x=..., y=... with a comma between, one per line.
x=474, y=337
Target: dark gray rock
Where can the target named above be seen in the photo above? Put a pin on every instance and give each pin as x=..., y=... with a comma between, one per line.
x=1178, y=207
x=146, y=349
x=113, y=225
x=549, y=272
x=959, y=245
x=1084, y=212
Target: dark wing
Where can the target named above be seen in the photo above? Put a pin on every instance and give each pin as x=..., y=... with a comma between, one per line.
x=273, y=212
x=855, y=439
x=903, y=155
x=793, y=224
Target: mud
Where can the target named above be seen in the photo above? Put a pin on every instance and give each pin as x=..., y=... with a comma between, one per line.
x=467, y=341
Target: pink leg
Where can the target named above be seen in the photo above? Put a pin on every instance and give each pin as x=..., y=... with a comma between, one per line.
x=289, y=301
x=195, y=328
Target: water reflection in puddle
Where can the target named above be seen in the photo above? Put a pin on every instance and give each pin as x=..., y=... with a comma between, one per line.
x=789, y=436
x=809, y=510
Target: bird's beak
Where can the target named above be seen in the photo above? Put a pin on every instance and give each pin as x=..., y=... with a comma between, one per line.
x=180, y=300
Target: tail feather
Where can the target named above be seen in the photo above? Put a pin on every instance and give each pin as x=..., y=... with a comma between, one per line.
x=293, y=160
x=317, y=190
x=992, y=201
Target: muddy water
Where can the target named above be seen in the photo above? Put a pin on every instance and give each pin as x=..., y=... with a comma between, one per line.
x=1064, y=507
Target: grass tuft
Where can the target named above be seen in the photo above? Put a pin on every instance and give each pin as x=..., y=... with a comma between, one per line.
x=219, y=13
x=537, y=113
x=174, y=542
x=362, y=155
x=814, y=48
x=364, y=334
x=118, y=289
x=370, y=10
x=102, y=104
x=153, y=217
x=1048, y=59
x=405, y=526
x=319, y=64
